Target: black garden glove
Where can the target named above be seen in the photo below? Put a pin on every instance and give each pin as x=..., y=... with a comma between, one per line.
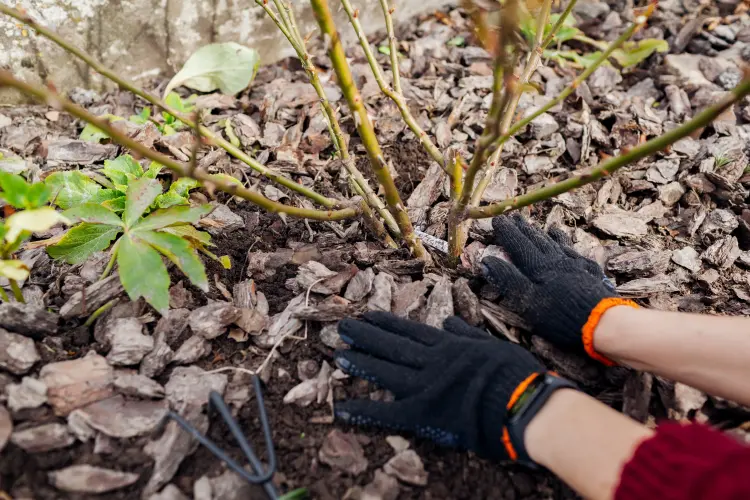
x=559, y=292
x=452, y=386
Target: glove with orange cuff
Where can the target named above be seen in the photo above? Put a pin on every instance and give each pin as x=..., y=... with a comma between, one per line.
x=458, y=387
x=560, y=293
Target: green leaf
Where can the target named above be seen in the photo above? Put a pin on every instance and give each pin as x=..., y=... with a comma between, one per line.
x=170, y=216
x=229, y=67
x=141, y=194
x=38, y=195
x=633, y=53
x=178, y=193
x=196, y=237
x=14, y=189
x=115, y=204
x=94, y=214
x=298, y=494
x=122, y=170
x=456, y=41
x=384, y=49
x=181, y=252
x=12, y=164
x=70, y=189
x=226, y=262
x=229, y=130
x=82, y=241
x=142, y=273
x=91, y=133
x=14, y=270
x=32, y=221
x=153, y=170
x=142, y=117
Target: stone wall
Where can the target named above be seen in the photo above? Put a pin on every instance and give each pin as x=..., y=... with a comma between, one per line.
x=145, y=38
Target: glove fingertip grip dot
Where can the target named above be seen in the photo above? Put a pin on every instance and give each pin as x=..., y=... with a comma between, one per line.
x=589, y=328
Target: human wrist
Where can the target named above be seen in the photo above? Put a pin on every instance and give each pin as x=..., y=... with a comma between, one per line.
x=609, y=334
x=548, y=423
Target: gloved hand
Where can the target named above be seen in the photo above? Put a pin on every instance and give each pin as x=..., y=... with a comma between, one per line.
x=559, y=292
x=452, y=386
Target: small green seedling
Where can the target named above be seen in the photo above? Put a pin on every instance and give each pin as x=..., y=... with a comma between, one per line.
x=27, y=215
x=141, y=237
x=721, y=161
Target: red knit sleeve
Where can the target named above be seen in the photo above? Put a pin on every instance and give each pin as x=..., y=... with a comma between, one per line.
x=687, y=462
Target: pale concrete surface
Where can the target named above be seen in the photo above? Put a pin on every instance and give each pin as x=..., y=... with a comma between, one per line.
x=142, y=38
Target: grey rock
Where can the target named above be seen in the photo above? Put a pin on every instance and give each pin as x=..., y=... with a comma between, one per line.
x=187, y=391
x=535, y=164
x=640, y=264
x=466, y=302
x=129, y=344
x=30, y=393
x=28, y=319
x=172, y=325
x=688, y=258
x=439, y=303
x=428, y=190
x=170, y=492
x=382, y=293
x=6, y=427
x=409, y=297
x=17, y=353
x=221, y=220
x=504, y=185
x=43, y=438
x=671, y=193
x=157, y=360
x=193, y=349
x=79, y=152
x=133, y=384
x=543, y=126
x=647, y=286
x=663, y=171
x=620, y=223
x=382, y=487
x=342, y=451
x=212, y=320
x=687, y=68
x=603, y=80
x=589, y=11
x=360, y=286
x=718, y=223
x=329, y=335
x=90, y=479
x=93, y=297
x=578, y=201
x=121, y=418
x=76, y=383
x=407, y=466
x=723, y=253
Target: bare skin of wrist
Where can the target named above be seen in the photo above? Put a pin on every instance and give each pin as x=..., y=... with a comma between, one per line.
x=709, y=353
x=584, y=442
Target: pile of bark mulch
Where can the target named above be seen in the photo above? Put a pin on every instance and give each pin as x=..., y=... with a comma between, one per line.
x=81, y=407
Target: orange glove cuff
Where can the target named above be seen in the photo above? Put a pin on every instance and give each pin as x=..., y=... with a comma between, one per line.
x=589, y=328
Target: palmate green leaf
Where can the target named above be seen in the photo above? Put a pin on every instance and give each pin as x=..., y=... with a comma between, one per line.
x=229, y=67
x=153, y=170
x=197, y=238
x=179, y=251
x=91, y=133
x=70, y=189
x=171, y=216
x=142, y=272
x=82, y=241
x=32, y=221
x=12, y=164
x=115, y=204
x=14, y=190
x=140, y=195
x=14, y=270
x=178, y=193
x=122, y=170
x=95, y=214
x=142, y=117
